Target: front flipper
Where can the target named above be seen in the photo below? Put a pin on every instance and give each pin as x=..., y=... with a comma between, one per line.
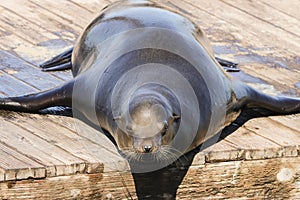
x=251, y=98
x=228, y=65
x=60, y=96
x=59, y=62
x=279, y=105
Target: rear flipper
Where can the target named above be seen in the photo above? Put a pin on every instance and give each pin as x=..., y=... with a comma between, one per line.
x=60, y=96
x=59, y=62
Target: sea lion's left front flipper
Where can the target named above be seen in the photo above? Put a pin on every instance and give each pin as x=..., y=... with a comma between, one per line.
x=59, y=62
x=59, y=96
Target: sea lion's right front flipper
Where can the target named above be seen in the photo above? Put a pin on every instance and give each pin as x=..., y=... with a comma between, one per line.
x=251, y=98
x=59, y=96
x=59, y=62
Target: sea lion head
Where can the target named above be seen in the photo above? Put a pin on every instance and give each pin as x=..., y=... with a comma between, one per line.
x=148, y=124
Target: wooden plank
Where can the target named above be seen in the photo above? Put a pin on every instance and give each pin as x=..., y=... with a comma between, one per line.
x=41, y=50
x=290, y=121
x=83, y=130
x=80, y=147
x=81, y=19
x=11, y=86
x=11, y=159
x=44, y=50
x=285, y=136
x=251, y=27
x=268, y=15
x=30, y=52
x=254, y=146
x=242, y=137
x=17, y=166
x=23, y=28
x=46, y=20
x=261, y=179
x=246, y=47
x=221, y=151
x=92, y=6
x=7, y=42
x=270, y=178
x=21, y=70
x=63, y=75
x=87, y=186
x=33, y=146
x=2, y=175
x=291, y=8
x=66, y=32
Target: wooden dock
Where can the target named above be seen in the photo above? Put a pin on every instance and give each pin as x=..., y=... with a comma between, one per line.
x=50, y=157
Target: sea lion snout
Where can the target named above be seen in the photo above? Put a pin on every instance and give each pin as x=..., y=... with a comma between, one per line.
x=148, y=123
x=148, y=119
x=147, y=145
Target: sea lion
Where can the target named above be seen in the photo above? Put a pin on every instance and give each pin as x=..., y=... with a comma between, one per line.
x=147, y=76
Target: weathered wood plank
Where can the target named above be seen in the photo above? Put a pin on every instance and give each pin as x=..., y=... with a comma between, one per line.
x=81, y=186
x=282, y=135
x=17, y=166
x=253, y=33
x=290, y=121
x=271, y=178
x=269, y=15
x=224, y=150
x=246, y=47
x=66, y=10
x=81, y=148
x=261, y=179
x=11, y=86
x=92, y=6
x=83, y=130
x=2, y=175
x=34, y=146
x=254, y=146
x=21, y=70
x=250, y=24
x=23, y=28
x=290, y=8
x=46, y=20
x=12, y=160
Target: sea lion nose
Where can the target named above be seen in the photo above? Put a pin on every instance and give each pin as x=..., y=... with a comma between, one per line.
x=148, y=148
